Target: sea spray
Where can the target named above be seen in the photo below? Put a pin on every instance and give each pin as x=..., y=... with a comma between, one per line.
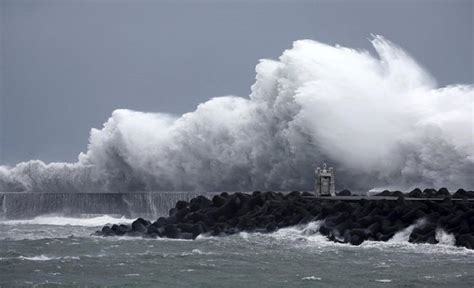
x=404, y=235
x=381, y=121
x=445, y=238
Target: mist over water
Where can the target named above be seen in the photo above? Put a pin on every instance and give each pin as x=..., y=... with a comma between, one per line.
x=380, y=120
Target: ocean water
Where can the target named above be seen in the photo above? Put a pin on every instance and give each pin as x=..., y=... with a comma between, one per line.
x=57, y=251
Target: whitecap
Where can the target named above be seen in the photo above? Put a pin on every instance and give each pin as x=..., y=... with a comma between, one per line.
x=38, y=258
x=401, y=125
x=383, y=280
x=314, y=278
x=196, y=252
x=47, y=258
x=428, y=277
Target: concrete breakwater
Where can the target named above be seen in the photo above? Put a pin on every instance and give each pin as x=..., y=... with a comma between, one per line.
x=348, y=221
x=24, y=205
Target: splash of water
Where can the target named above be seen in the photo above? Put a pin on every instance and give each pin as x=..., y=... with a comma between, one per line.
x=404, y=235
x=379, y=120
x=445, y=238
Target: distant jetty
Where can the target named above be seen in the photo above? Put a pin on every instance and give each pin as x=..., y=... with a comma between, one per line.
x=344, y=218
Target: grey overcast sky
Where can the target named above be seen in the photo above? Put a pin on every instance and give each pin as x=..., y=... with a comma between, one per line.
x=66, y=65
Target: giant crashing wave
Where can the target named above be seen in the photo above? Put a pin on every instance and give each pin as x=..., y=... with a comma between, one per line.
x=379, y=120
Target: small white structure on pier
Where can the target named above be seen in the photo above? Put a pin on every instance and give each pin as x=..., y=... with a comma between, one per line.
x=325, y=183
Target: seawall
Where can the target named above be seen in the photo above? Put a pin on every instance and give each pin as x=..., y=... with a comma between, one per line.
x=24, y=205
x=150, y=205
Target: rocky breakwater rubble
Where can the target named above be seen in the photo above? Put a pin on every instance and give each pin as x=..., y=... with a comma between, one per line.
x=347, y=221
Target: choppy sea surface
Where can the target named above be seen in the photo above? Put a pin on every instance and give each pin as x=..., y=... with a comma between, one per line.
x=56, y=251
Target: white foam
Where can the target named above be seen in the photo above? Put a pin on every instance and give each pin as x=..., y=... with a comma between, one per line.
x=65, y=221
x=196, y=252
x=312, y=278
x=404, y=235
x=422, y=248
x=445, y=238
x=428, y=277
x=383, y=280
x=47, y=258
x=199, y=252
x=308, y=236
x=380, y=120
x=38, y=258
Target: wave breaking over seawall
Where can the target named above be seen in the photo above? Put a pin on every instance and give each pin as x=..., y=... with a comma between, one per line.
x=381, y=121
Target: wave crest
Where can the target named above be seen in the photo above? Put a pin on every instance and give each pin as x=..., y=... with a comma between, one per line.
x=380, y=121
